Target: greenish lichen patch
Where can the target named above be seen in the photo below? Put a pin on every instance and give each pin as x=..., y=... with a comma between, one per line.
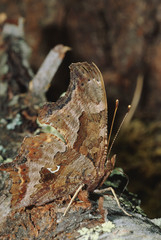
x=93, y=233
x=157, y=221
x=2, y=160
x=14, y=101
x=49, y=129
x=2, y=149
x=15, y=122
x=8, y=160
x=3, y=88
x=3, y=121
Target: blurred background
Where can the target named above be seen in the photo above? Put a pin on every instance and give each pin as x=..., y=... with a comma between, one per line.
x=123, y=38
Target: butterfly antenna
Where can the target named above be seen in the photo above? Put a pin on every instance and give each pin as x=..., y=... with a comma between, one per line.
x=109, y=151
x=113, y=120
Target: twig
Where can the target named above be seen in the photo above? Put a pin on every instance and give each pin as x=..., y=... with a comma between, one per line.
x=42, y=79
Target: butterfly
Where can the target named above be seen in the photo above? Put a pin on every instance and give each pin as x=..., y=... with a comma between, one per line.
x=50, y=167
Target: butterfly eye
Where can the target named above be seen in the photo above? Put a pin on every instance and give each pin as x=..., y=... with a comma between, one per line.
x=89, y=79
x=82, y=84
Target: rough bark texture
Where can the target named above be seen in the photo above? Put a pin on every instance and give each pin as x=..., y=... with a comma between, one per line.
x=47, y=222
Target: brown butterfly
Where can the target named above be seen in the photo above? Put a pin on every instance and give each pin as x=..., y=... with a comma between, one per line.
x=50, y=167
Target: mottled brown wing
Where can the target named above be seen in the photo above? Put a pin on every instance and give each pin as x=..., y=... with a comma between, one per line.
x=46, y=169
x=81, y=115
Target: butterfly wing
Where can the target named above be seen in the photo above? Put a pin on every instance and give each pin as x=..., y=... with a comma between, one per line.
x=46, y=169
x=81, y=115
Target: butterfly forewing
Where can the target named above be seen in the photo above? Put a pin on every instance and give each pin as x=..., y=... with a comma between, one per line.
x=81, y=115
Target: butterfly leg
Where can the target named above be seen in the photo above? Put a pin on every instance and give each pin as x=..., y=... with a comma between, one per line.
x=99, y=191
x=73, y=198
